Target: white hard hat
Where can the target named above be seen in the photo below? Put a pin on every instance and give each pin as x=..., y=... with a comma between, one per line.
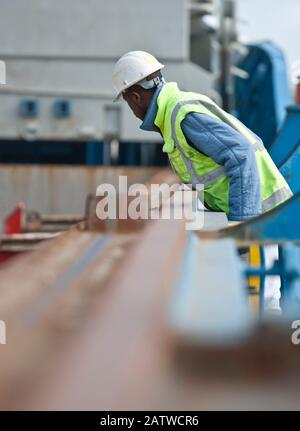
x=132, y=68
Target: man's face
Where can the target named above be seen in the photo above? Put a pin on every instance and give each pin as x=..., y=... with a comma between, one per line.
x=134, y=101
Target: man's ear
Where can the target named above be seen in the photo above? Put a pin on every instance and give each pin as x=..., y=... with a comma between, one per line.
x=135, y=97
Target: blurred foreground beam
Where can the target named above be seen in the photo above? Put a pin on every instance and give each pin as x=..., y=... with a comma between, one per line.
x=71, y=347
x=129, y=354
x=210, y=303
x=104, y=368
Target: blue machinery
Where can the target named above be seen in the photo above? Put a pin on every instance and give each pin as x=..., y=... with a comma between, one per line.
x=261, y=98
x=280, y=226
x=261, y=102
x=285, y=151
x=291, y=169
x=288, y=138
x=287, y=267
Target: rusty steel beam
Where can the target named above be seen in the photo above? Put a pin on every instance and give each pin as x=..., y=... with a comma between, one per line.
x=24, y=241
x=128, y=328
x=71, y=270
x=36, y=222
x=60, y=189
x=88, y=328
x=126, y=224
x=44, y=296
x=127, y=356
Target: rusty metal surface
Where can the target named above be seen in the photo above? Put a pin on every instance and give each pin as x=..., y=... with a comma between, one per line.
x=36, y=222
x=87, y=328
x=120, y=344
x=123, y=356
x=24, y=241
x=44, y=297
x=58, y=189
x=43, y=308
x=101, y=340
x=99, y=222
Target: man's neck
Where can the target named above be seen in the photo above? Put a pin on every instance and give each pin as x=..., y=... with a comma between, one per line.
x=148, y=122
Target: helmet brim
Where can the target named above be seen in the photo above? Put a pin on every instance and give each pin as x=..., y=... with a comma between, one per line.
x=118, y=97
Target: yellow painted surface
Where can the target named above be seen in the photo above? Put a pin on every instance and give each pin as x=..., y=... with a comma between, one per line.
x=254, y=282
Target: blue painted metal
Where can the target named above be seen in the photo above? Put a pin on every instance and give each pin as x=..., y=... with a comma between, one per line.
x=130, y=153
x=260, y=100
x=279, y=224
x=288, y=268
x=288, y=138
x=291, y=169
x=62, y=108
x=94, y=153
x=290, y=279
x=29, y=107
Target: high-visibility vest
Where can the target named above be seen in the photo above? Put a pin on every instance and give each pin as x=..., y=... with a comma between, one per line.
x=195, y=168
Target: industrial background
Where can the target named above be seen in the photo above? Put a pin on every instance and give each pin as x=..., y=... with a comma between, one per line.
x=78, y=295
x=57, y=104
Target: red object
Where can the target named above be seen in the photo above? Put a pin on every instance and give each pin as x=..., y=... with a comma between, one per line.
x=297, y=98
x=7, y=255
x=14, y=223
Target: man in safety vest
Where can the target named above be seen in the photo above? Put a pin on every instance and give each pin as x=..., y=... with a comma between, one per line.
x=205, y=145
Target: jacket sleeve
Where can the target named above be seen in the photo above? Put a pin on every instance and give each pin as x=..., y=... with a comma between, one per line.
x=230, y=149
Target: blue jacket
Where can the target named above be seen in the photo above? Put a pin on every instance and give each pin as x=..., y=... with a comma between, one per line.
x=228, y=148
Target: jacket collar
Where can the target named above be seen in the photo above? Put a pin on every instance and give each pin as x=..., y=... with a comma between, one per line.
x=148, y=122
x=168, y=90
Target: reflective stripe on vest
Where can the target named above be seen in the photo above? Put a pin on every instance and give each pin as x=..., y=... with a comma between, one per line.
x=173, y=106
x=277, y=197
x=213, y=175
